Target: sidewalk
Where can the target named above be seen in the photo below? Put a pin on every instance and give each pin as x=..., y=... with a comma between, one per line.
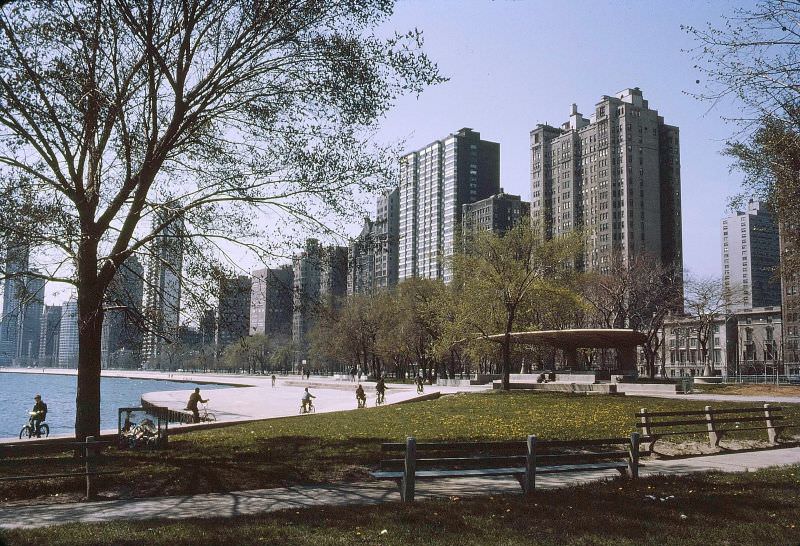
x=239, y=503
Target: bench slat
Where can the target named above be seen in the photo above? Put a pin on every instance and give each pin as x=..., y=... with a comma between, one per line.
x=702, y=412
x=490, y=461
x=656, y=424
x=555, y=469
x=455, y=446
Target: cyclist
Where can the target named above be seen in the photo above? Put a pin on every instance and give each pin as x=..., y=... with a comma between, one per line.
x=380, y=388
x=273, y=381
x=38, y=413
x=361, y=397
x=306, y=401
x=194, y=398
x=420, y=384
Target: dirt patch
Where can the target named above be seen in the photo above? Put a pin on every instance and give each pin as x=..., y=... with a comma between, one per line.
x=665, y=448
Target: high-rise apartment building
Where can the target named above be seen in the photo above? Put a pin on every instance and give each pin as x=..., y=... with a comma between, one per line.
x=372, y=259
x=497, y=213
x=615, y=175
x=271, y=300
x=48, y=344
x=122, y=323
x=233, y=312
x=162, y=290
x=68, y=336
x=750, y=258
x=320, y=279
x=434, y=184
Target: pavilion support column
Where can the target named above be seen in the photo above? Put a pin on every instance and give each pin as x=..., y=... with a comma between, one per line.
x=627, y=359
x=571, y=354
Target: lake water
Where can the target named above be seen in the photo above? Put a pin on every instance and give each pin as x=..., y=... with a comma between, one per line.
x=58, y=392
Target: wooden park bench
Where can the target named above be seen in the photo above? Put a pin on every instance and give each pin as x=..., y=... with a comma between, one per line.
x=521, y=459
x=714, y=422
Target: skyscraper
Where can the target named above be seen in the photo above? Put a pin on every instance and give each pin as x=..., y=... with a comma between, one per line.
x=29, y=321
x=615, y=175
x=271, y=301
x=68, y=336
x=320, y=279
x=162, y=290
x=48, y=344
x=750, y=257
x=15, y=266
x=233, y=312
x=434, y=184
x=122, y=323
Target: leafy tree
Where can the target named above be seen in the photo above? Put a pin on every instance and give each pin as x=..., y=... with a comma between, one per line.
x=502, y=279
x=124, y=117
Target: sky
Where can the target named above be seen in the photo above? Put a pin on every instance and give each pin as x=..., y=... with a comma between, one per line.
x=514, y=64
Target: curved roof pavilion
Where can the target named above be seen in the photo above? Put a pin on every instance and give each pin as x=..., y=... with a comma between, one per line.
x=625, y=341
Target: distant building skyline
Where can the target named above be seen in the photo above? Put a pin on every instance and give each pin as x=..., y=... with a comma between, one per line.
x=497, y=213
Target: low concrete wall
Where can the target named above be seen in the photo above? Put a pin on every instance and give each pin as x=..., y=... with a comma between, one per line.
x=584, y=378
x=454, y=382
x=645, y=388
x=585, y=388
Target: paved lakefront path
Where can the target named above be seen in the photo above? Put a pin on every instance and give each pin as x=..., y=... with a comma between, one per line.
x=261, y=501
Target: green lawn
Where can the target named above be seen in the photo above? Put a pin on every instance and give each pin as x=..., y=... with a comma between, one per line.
x=345, y=446
x=752, y=508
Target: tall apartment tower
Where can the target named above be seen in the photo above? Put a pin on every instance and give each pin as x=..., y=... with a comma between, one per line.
x=372, y=259
x=68, y=336
x=29, y=321
x=497, y=213
x=320, y=279
x=48, y=344
x=162, y=291
x=750, y=258
x=616, y=175
x=14, y=267
x=271, y=301
x=233, y=312
x=434, y=184
x=122, y=325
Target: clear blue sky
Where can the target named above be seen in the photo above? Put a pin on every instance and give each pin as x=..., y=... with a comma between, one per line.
x=515, y=64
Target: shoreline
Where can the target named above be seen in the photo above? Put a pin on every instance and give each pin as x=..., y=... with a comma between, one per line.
x=156, y=375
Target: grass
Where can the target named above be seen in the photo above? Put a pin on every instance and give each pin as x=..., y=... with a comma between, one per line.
x=707, y=509
x=343, y=446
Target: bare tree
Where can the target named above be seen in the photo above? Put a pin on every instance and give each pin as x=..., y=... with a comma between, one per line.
x=707, y=299
x=122, y=117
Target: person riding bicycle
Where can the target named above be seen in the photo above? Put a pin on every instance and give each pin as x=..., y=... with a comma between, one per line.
x=420, y=384
x=38, y=413
x=306, y=401
x=194, y=398
x=380, y=388
x=361, y=396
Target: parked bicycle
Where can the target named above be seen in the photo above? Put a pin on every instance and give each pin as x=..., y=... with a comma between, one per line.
x=30, y=430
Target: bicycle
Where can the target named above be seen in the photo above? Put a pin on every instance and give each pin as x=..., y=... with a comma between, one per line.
x=307, y=408
x=362, y=402
x=206, y=415
x=420, y=387
x=380, y=398
x=28, y=431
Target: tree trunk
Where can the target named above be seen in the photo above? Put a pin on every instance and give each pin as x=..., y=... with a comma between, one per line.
x=90, y=325
x=507, y=361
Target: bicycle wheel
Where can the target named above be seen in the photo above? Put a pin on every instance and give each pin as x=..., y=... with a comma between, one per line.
x=26, y=432
x=44, y=430
x=210, y=417
x=312, y=409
